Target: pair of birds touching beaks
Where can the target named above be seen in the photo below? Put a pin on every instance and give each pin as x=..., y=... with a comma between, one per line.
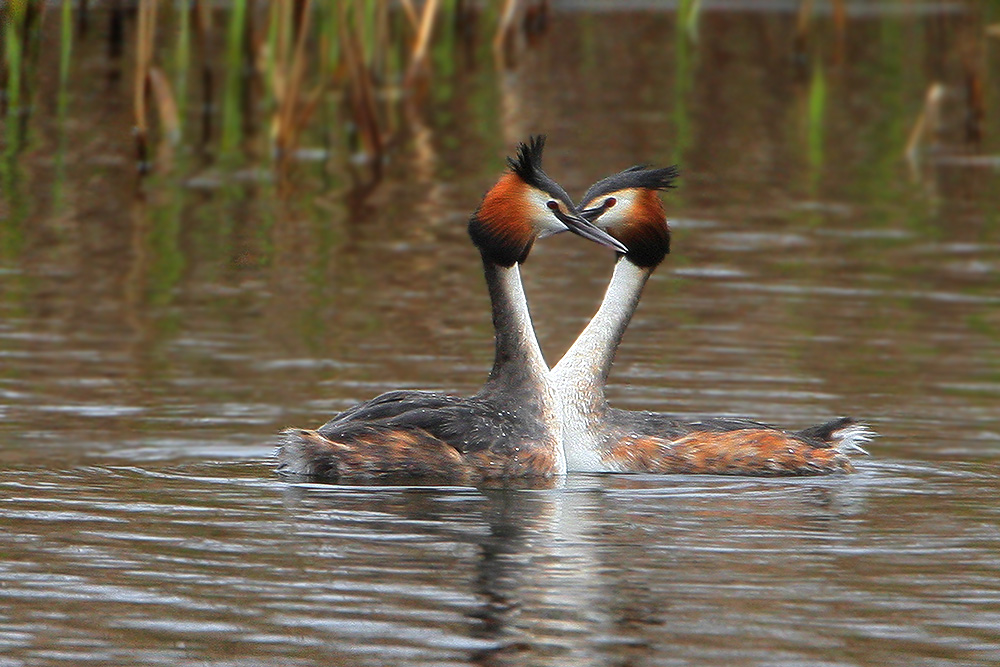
x=532, y=421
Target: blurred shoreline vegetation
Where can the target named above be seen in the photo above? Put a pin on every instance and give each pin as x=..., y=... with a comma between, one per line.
x=251, y=89
x=148, y=143
x=242, y=80
x=172, y=136
x=220, y=76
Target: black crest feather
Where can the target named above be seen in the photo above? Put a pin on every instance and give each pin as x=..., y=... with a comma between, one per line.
x=528, y=162
x=640, y=176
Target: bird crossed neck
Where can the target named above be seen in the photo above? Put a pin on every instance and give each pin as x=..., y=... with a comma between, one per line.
x=518, y=367
x=587, y=363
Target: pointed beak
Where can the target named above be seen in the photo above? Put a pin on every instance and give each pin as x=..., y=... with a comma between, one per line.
x=581, y=227
x=591, y=214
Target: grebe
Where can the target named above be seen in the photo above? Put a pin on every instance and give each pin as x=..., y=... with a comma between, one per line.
x=599, y=438
x=510, y=428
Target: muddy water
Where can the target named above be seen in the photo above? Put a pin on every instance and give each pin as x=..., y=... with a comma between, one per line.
x=153, y=341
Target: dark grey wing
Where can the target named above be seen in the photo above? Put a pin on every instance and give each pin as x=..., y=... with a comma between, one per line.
x=391, y=404
x=470, y=425
x=672, y=426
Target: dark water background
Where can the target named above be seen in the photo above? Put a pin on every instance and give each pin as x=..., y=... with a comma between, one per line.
x=155, y=336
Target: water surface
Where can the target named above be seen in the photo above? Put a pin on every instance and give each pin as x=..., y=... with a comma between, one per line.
x=155, y=335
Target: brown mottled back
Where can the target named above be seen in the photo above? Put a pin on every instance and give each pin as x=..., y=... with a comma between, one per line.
x=403, y=452
x=763, y=452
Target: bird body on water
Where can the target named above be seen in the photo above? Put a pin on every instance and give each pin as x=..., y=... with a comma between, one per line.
x=599, y=438
x=511, y=427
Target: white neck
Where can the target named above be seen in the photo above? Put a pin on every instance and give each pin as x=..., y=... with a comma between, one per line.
x=590, y=356
x=580, y=376
x=518, y=358
x=519, y=380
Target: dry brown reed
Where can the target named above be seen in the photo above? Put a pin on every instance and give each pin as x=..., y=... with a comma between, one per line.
x=288, y=75
x=360, y=85
x=418, y=56
x=927, y=123
x=151, y=82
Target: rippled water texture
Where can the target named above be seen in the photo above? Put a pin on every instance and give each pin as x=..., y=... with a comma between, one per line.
x=155, y=336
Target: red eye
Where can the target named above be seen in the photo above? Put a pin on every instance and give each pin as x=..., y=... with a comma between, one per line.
x=553, y=205
x=609, y=202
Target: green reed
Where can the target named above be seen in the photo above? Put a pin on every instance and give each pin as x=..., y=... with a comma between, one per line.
x=685, y=63
x=16, y=23
x=14, y=19
x=688, y=15
x=814, y=120
x=182, y=55
x=235, y=83
x=65, y=54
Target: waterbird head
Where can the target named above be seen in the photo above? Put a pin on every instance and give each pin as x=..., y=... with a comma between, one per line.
x=524, y=205
x=626, y=205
